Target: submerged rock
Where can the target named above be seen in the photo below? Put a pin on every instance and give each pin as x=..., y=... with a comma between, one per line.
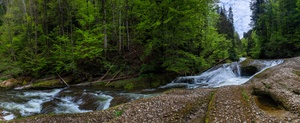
x=248, y=70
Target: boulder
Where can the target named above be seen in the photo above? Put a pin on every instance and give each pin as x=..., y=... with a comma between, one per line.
x=9, y=83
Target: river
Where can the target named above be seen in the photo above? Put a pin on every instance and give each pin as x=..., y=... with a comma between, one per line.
x=224, y=74
x=23, y=103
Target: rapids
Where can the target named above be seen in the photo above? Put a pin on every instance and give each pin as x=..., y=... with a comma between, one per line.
x=22, y=103
x=222, y=75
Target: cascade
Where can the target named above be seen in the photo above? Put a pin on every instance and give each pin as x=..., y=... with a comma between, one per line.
x=222, y=75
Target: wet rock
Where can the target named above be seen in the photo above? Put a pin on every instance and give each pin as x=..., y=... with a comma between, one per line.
x=248, y=70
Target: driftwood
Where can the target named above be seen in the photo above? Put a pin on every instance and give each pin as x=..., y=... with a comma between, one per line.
x=114, y=77
x=61, y=79
x=107, y=71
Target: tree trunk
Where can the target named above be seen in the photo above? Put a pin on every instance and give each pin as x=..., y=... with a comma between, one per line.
x=35, y=28
x=127, y=25
x=120, y=31
x=104, y=24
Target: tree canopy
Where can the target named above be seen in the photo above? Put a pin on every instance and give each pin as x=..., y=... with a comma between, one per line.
x=276, y=29
x=90, y=37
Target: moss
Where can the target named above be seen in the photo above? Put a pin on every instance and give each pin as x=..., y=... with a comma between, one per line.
x=246, y=62
x=128, y=84
x=100, y=84
x=210, y=106
x=24, y=82
x=262, y=74
x=267, y=85
x=296, y=72
x=3, y=79
x=245, y=95
x=48, y=83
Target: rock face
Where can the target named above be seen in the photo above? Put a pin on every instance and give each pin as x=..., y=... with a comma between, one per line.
x=281, y=83
x=271, y=96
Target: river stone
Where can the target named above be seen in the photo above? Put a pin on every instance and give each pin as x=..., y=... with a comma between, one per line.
x=48, y=107
x=184, y=80
x=248, y=70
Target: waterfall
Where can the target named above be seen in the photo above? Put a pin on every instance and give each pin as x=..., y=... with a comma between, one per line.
x=222, y=75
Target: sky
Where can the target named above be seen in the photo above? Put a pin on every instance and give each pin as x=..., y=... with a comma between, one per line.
x=241, y=14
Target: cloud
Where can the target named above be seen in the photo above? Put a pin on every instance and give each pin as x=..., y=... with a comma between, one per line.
x=241, y=14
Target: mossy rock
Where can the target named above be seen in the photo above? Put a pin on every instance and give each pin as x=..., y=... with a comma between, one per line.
x=128, y=84
x=53, y=83
x=138, y=83
x=246, y=62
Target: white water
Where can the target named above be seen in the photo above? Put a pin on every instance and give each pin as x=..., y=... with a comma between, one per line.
x=29, y=103
x=222, y=75
x=23, y=103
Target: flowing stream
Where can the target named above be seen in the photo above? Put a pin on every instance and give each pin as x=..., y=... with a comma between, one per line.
x=223, y=75
x=22, y=103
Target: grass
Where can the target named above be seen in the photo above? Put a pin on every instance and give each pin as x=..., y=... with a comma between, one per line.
x=118, y=112
x=245, y=95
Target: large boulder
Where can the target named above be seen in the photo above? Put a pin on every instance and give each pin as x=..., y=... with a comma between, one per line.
x=281, y=83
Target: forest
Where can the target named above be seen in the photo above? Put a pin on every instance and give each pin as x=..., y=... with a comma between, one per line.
x=108, y=38
x=275, y=29
x=92, y=38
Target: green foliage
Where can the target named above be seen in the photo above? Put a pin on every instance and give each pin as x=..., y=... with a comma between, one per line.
x=90, y=38
x=276, y=26
x=129, y=86
x=255, y=51
x=46, y=83
x=118, y=113
x=225, y=26
x=245, y=95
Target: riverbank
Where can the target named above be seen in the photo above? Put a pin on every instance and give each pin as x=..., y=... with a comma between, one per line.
x=126, y=83
x=271, y=96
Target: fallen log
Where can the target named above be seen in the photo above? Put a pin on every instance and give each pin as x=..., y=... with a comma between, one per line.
x=61, y=79
x=107, y=80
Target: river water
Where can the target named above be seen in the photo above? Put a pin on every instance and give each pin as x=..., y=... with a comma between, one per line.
x=222, y=75
x=22, y=103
